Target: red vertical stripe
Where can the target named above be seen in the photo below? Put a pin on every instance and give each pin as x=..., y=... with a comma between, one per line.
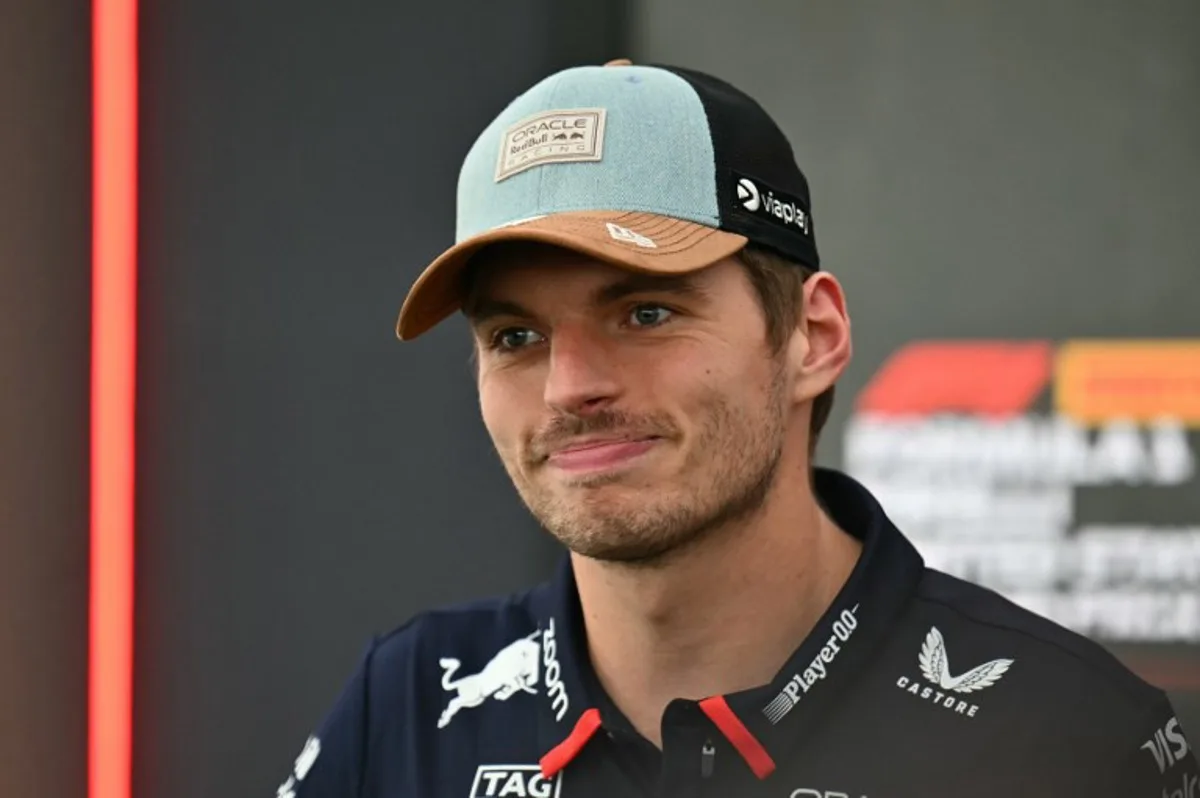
x=719, y=712
x=114, y=315
x=562, y=754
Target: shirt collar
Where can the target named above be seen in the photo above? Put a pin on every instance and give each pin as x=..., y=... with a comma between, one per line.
x=767, y=722
x=565, y=660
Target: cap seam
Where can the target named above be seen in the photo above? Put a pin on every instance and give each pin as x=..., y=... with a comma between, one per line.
x=712, y=145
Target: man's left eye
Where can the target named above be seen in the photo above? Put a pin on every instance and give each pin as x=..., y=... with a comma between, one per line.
x=649, y=315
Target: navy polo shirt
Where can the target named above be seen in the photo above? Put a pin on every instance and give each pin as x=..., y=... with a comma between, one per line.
x=913, y=683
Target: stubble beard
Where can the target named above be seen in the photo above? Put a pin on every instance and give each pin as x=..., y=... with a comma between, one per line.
x=726, y=478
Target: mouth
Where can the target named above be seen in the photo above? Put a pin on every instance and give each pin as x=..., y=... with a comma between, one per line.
x=600, y=454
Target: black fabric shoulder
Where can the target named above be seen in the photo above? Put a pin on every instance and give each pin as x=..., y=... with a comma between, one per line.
x=1154, y=757
x=982, y=606
x=332, y=761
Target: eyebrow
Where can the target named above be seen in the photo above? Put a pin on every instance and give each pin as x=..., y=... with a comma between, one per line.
x=682, y=285
x=483, y=309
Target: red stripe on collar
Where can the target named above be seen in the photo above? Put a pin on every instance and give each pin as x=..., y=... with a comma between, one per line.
x=735, y=731
x=561, y=755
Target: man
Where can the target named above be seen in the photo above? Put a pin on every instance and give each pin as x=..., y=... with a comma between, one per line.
x=657, y=349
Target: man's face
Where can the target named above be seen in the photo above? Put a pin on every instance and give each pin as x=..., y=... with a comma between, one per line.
x=633, y=413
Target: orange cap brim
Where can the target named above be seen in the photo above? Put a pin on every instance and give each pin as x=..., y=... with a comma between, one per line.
x=679, y=247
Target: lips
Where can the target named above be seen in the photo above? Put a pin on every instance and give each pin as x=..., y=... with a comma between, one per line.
x=591, y=455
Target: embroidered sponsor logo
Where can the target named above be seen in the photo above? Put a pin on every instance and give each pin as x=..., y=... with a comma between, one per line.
x=1189, y=787
x=935, y=668
x=514, y=781
x=1168, y=745
x=554, y=686
x=303, y=764
x=817, y=670
x=513, y=670
x=563, y=136
x=778, y=206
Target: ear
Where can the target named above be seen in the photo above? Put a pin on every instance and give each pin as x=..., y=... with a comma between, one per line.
x=820, y=347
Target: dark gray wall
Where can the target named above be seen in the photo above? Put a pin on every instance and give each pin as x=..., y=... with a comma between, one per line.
x=305, y=479
x=981, y=170
x=1000, y=169
x=44, y=322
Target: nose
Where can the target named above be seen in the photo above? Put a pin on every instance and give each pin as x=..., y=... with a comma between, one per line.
x=582, y=377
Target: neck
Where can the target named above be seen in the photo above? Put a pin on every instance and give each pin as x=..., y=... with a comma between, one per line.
x=721, y=617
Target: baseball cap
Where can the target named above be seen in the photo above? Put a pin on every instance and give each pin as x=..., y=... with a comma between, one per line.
x=651, y=168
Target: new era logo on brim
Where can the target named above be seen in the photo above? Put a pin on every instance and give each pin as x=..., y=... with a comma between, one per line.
x=630, y=236
x=566, y=136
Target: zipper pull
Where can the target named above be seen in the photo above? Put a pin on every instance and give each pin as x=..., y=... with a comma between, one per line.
x=707, y=756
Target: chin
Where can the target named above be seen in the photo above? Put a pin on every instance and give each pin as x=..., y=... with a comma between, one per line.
x=621, y=548
x=606, y=501
x=614, y=525
x=569, y=486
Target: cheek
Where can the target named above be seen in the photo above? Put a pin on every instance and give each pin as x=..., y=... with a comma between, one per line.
x=715, y=370
x=492, y=412
x=742, y=386
x=689, y=392
x=503, y=410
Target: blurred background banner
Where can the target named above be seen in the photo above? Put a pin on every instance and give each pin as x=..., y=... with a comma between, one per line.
x=1062, y=474
x=1004, y=189
x=1082, y=507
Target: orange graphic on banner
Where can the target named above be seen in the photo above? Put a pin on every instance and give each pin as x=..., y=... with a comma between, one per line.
x=1097, y=381
x=989, y=378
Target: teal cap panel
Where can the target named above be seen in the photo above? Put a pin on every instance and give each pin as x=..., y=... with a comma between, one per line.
x=655, y=151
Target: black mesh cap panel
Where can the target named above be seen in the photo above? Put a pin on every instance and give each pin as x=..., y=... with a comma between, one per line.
x=761, y=192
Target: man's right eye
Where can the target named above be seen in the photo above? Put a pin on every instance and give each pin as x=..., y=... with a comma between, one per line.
x=512, y=338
